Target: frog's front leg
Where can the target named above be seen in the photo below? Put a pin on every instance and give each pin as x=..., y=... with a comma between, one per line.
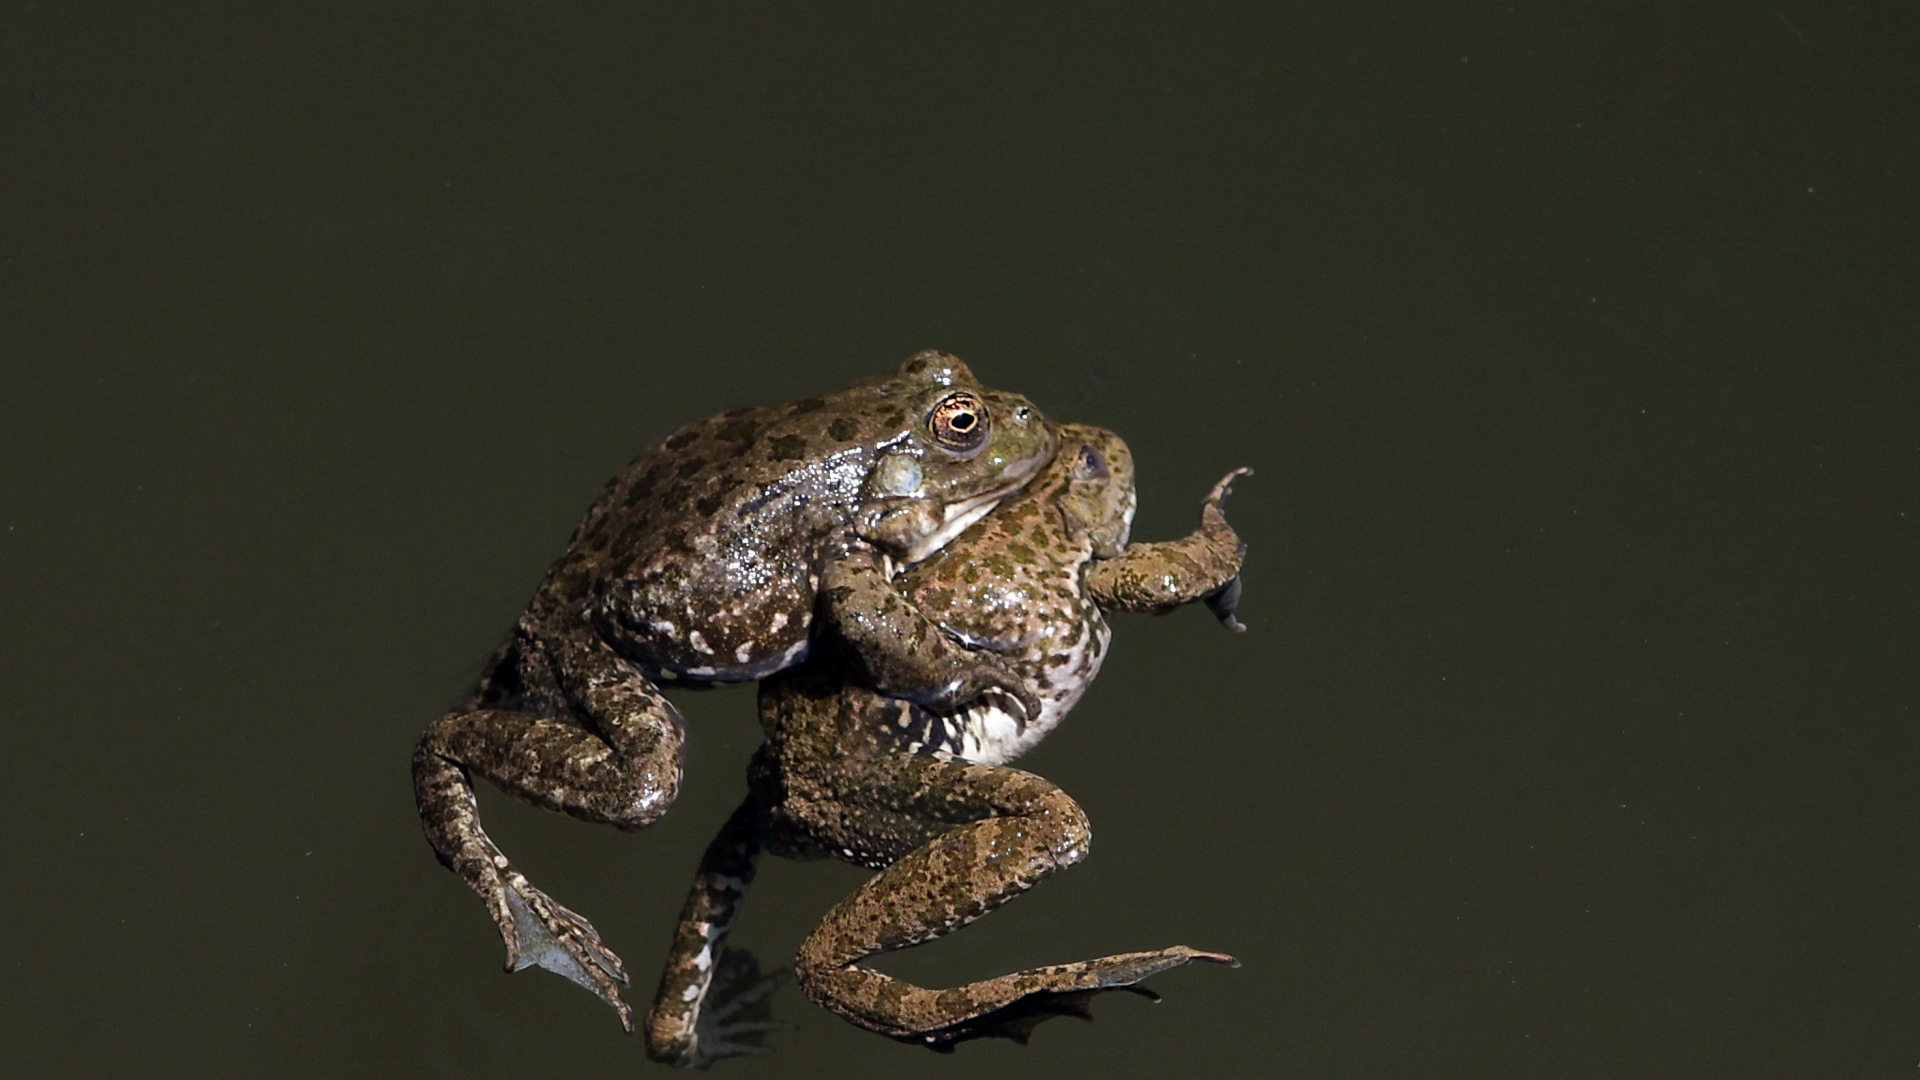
x=1018, y=829
x=1156, y=578
x=623, y=770
x=903, y=652
x=688, y=1025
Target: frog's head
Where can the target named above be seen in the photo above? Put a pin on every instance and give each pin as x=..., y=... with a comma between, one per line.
x=1097, y=495
x=962, y=449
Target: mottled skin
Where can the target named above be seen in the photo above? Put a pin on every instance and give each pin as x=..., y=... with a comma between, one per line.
x=710, y=559
x=926, y=797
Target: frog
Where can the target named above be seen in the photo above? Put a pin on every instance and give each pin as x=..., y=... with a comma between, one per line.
x=926, y=797
x=721, y=555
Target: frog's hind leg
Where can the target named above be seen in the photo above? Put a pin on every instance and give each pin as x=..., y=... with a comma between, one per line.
x=625, y=772
x=1015, y=829
x=711, y=1004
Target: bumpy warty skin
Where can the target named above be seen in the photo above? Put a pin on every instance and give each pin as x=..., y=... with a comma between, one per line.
x=706, y=560
x=1025, y=583
x=924, y=795
x=702, y=559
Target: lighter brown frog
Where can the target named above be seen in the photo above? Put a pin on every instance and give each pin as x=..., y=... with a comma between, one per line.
x=926, y=796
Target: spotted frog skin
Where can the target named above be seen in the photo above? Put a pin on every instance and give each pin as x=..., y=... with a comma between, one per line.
x=722, y=555
x=926, y=797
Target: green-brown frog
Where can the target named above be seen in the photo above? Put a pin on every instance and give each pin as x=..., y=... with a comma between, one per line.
x=710, y=559
x=925, y=796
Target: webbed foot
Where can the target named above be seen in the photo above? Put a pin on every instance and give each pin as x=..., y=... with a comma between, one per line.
x=1016, y=1022
x=736, y=1014
x=1223, y=604
x=1226, y=598
x=547, y=934
x=1066, y=990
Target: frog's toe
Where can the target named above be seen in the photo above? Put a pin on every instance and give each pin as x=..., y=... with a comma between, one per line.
x=1015, y=1022
x=1014, y=708
x=549, y=935
x=740, y=990
x=1066, y=990
x=1003, y=688
x=1225, y=487
x=734, y=1040
x=737, y=1013
x=1124, y=970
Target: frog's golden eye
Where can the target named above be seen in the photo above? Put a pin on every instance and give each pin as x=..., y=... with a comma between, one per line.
x=1091, y=464
x=959, y=422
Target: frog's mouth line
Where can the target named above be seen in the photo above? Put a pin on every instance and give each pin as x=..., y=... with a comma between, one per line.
x=958, y=518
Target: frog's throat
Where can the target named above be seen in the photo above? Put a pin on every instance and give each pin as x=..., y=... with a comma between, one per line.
x=959, y=517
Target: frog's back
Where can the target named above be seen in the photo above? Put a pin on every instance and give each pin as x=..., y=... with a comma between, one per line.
x=701, y=560
x=702, y=556
x=746, y=482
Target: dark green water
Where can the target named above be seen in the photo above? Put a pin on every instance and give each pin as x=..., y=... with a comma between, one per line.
x=1575, y=346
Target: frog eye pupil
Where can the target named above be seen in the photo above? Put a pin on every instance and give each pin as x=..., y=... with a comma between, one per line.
x=1092, y=464
x=959, y=422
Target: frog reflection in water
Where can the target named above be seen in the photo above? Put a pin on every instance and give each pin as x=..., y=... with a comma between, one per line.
x=927, y=798
x=704, y=561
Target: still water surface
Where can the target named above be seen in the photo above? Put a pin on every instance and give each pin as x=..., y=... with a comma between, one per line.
x=1573, y=346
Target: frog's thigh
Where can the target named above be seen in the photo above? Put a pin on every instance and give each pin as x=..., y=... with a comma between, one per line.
x=627, y=775
x=1034, y=830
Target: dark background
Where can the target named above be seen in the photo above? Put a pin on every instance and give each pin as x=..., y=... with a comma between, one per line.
x=1574, y=345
